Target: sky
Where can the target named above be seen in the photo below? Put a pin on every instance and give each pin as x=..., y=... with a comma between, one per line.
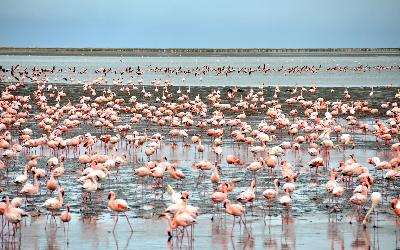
x=200, y=24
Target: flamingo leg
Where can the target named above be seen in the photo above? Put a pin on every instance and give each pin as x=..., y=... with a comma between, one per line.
x=233, y=225
x=127, y=219
x=115, y=224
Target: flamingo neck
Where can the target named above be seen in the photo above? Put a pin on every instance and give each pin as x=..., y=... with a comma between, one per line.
x=60, y=198
x=182, y=206
x=35, y=181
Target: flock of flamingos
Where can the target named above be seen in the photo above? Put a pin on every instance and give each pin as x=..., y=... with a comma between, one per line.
x=43, y=127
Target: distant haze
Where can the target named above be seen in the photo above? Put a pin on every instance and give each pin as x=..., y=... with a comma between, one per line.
x=200, y=24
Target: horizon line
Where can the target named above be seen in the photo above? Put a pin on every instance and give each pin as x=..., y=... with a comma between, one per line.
x=201, y=52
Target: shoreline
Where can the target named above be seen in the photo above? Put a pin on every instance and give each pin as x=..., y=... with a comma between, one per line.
x=200, y=52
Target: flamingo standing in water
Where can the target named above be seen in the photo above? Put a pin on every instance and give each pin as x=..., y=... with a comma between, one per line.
x=119, y=206
x=376, y=198
x=65, y=217
x=359, y=199
x=248, y=195
x=13, y=215
x=271, y=194
x=218, y=197
x=395, y=204
x=53, y=204
x=286, y=201
x=30, y=190
x=172, y=225
x=236, y=210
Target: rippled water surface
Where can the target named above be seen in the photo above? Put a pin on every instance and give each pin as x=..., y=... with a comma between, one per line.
x=310, y=224
x=322, y=78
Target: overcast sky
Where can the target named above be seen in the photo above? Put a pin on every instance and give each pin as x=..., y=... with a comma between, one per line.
x=200, y=24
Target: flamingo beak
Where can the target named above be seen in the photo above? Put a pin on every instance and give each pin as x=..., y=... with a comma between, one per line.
x=109, y=196
x=169, y=236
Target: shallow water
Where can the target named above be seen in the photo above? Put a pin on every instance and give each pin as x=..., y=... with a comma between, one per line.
x=307, y=232
x=307, y=226
x=322, y=78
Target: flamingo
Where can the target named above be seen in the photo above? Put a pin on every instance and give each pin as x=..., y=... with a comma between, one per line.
x=236, y=210
x=13, y=214
x=53, y=204
x=248, y=195
x=219, y=196
x=172, y=225
x=271, y=194
x=183, y=218
x=65, y=217
x=21, y=179
x=359, y=199
x=28, y=189
x=376, y=198
x=52, y=184
x=119, y=206
x=285, y=200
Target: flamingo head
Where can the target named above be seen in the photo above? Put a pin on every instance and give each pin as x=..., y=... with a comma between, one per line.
x=393, y=203
x=371, y=180
x=224, y=186
x=111, y=194
x=226, y=201
x=235, y=181
x=163, y=216
x=185, y=195
x=169, y=234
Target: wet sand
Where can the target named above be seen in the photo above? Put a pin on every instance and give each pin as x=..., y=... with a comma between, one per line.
x=307, y=226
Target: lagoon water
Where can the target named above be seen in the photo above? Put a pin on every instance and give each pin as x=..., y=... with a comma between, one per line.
x=310, y=224
x=322, y=78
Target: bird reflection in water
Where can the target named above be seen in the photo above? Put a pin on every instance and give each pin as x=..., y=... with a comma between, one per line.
x=270, y=242
x=288, y=237
x=361, y=239
x=335, y=235
x=180, y=242
x=116, y=239
x=90, y=219
x=51, y=238
x=248, y=241
x=221, y=234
